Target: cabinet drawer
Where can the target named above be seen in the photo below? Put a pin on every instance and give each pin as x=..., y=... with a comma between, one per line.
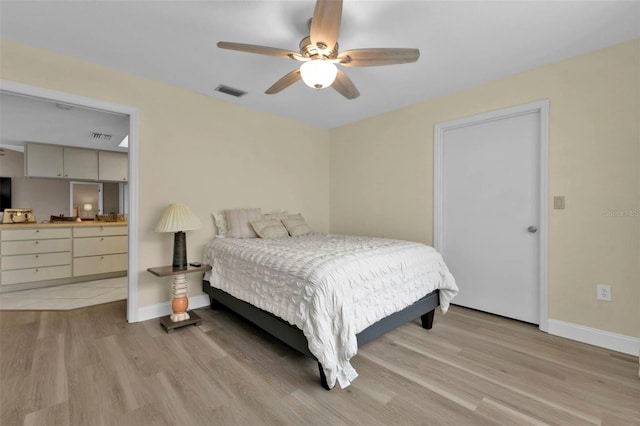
x=35, y=234
x=99, y=231
x=99, y=264
x=99, y=246
x=35, y=246
x=35, y=260
x=35, y=274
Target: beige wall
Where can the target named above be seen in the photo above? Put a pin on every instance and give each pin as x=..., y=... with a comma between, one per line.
x=212, y=155
x=194, y=149
x=382, y=176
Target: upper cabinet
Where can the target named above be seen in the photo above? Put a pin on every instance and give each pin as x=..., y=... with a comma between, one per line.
x=113, y=166
x=43, y=160
x=55, y=161
x=80, y=163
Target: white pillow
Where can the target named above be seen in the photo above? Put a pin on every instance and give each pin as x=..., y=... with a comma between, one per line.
x=276, y=214
x=221, y=224
x=296, y=225
x=238, y=222
x=269, y=228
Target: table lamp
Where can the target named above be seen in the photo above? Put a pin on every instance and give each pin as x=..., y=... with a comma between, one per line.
x=178, y=218
x=87, y=209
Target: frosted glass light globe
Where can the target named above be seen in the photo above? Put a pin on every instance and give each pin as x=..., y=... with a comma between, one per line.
x=318, y=73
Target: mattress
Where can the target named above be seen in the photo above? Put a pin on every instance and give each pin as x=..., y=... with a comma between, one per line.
x=329, y=286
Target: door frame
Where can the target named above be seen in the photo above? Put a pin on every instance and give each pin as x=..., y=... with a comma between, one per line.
x=541, y=107
x=134, y=125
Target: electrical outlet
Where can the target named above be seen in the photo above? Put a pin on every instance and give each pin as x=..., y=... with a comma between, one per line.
x=604, y=292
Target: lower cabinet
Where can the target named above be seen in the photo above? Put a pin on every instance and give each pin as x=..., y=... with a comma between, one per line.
x=39, y=255
x=99, y=250
x=35, y=274
x=99, y=264
x=34, y=254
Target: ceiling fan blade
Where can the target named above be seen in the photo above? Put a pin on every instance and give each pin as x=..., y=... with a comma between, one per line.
x=378, y=56
x=261, y=50
x=345, y=86
x=284, y=82
x=325, y=24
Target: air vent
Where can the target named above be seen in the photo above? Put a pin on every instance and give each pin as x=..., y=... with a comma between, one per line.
x=230, y=91
x=100, y=136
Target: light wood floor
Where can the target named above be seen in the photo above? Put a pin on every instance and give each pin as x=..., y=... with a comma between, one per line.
x=89, y=367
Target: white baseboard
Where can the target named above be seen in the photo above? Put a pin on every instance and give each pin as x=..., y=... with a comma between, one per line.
x=161, y=309
x=593, y=336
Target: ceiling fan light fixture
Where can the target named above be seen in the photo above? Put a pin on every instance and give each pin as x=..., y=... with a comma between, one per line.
x=318, y=73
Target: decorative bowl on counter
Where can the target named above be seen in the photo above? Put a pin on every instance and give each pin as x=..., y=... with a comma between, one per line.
x=112, y=217
x=62, y=218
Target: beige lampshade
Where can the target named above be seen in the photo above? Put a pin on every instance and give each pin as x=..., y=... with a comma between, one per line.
x=88, y=207
x=178, y=217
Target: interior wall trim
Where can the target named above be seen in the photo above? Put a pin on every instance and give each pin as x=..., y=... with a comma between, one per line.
x=134, y=125
x=593, y=336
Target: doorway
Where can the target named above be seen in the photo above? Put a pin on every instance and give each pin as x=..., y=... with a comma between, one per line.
x=132, y=184
x=490, y=202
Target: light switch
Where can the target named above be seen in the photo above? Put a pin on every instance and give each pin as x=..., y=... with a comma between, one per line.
x=558, y=202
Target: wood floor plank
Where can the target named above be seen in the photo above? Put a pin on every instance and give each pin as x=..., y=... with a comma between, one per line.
x=90, y=367
x=56, y=415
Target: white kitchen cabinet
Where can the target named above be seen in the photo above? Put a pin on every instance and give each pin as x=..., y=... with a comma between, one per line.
x=43, y=160
x=54, y=161
x=41, y=255
x=80, y=163
x=113, y=166
x=34, y=254
x=99, y=250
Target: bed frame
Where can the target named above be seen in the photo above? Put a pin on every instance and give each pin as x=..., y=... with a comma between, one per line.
x=294, y=337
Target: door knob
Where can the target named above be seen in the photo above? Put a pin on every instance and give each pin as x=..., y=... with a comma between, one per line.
x=532, y=229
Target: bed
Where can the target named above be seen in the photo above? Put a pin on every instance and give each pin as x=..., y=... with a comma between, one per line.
x=325, y=294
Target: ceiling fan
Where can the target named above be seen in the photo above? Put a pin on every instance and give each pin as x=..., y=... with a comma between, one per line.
x=319, y=54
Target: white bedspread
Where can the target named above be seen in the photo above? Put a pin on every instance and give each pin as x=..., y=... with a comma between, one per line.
x=329, y=286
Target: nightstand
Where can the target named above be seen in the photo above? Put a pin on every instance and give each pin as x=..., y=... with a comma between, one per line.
x=179, y=301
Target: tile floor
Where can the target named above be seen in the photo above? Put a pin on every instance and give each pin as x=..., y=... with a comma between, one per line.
x=65, y=297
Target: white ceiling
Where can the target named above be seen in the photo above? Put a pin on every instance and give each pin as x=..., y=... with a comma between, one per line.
x=27, y=119
x=462, y=44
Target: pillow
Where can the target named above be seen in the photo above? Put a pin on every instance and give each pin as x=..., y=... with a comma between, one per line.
x=296, y=225
x=221, y=224
x=238, y=222
x=269, y=228
x=278, y=214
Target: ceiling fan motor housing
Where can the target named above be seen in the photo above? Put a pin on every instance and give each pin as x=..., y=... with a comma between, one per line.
x=312, y=51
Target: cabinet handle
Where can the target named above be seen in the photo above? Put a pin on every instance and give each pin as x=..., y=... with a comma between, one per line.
x=37, y=270
x=37, y=230
x=66, y=175
x=37, y=256
x=59, y=174
x=101, y=257
x=101, y=239
x=37, y=242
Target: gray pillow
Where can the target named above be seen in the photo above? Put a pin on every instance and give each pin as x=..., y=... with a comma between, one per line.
x=269, y=228
x=239, y=222
x=296, y=225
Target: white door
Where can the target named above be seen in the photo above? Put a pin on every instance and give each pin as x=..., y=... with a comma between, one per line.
x=490, y=214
